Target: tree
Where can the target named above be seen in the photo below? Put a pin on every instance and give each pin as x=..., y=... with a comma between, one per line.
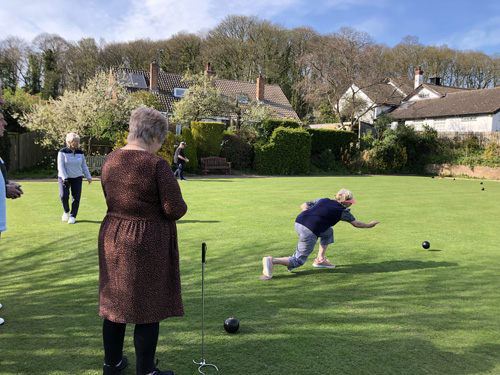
x=33, y=78
x=182, y=54
x=17, y=104
x=338, y=61
x=51, y=82
x=13, y=53
x=203, y=101
x=96, y=111
x=253, y=115
x=82, y=62
x=148, y=99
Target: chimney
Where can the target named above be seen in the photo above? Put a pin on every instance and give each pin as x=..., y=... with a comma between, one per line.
x=153, y=77
x=260, y=88
x=419, y=77
x=436, y=80
x=210, y=72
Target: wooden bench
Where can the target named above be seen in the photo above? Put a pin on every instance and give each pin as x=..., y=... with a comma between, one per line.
x=95, y=162
x=214, y=163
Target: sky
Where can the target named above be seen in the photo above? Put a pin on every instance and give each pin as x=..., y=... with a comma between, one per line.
x=459, y=24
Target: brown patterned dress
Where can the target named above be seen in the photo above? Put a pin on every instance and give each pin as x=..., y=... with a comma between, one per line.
x=139, y=278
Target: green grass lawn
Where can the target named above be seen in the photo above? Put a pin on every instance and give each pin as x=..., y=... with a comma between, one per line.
x=390, y=307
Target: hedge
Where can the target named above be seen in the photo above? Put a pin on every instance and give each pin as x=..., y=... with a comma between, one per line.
x=208, y=137
x=328, y=139
x=268, y=127
x=287, y=153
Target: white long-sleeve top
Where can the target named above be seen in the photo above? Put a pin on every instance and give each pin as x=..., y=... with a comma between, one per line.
x=71, y=164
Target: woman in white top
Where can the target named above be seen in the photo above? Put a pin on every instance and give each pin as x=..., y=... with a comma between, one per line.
x=71, y=166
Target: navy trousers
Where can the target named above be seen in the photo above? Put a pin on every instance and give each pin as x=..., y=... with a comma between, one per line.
x=75, y=185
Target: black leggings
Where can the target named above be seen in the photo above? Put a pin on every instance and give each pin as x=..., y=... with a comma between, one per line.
x=145, y=341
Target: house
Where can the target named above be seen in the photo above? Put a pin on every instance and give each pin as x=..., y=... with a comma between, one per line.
x=170, y=88
x=450, y=109
x=371, y=101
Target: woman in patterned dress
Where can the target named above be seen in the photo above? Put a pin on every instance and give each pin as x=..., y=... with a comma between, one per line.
x=139, y=278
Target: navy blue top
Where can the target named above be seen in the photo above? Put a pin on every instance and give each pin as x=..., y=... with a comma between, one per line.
x=323, y=214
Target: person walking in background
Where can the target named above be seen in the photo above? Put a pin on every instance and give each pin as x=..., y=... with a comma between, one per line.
x=71, y=166
x=180, y=159
x=316, y=221
x=139, y=276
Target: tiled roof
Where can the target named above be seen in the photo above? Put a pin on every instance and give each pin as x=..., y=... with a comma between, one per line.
x=403, y=84
x=166, y=85
x=274, y=98
x=457, y=103
x=384, y=94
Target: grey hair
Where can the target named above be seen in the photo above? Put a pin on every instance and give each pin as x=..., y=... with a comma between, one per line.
x=147, y=124
x=70, y=137
x=342, y=196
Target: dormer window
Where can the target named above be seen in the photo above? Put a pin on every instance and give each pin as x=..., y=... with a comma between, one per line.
x=242, y=99
x=180, y=93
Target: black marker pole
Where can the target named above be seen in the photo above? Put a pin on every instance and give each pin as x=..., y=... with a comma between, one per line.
x=203, y=261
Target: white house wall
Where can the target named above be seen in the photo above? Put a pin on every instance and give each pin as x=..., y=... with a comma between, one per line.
x=367, y=117
x=486, y=123
x=422, y=94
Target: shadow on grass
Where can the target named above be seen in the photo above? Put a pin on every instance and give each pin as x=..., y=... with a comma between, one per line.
x=90, y=221
x=381, y=267
x=197, y=221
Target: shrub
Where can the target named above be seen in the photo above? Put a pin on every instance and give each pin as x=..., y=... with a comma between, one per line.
x=208, y=137
x=386, y=158
x=238, y=151
x=287, y=153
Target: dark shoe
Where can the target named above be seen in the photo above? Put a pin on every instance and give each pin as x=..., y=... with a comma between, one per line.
x=158, y=372
x=114, y=370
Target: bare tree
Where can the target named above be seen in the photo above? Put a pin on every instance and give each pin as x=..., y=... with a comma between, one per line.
x=338, y=61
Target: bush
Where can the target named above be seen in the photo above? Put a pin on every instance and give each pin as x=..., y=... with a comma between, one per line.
x=287, y=153
x=386, y=158
x=270, y=125
x=208, y=137
x=237, y=150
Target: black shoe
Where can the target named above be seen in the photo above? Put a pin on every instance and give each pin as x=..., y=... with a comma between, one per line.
x=158, y=372
x=114, y=370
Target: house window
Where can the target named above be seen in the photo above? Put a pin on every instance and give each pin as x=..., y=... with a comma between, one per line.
x=440, y=125
x=179, y=93
x=242, y=99
x=418, y=125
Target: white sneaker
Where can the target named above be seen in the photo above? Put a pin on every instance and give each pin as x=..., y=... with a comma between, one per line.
x=0, y=305
x=71, y=220
x=1, y=321
x=65, y=216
